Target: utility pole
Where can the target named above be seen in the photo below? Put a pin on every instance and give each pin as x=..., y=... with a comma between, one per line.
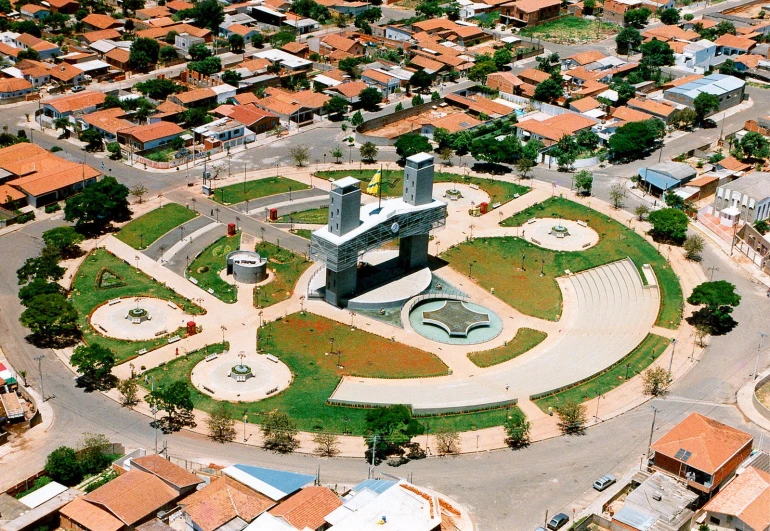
x=762, y=336
x=39, y=359
x=712, y=269
x=652, y=429
x=671, y=361
x=154, y=415
x=374, y=451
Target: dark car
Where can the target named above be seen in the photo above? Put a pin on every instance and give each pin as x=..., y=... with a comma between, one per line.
x=558, y=521
x=708, y=123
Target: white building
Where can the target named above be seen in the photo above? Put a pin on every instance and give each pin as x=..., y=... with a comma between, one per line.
x=696, y=56
x=746, y=199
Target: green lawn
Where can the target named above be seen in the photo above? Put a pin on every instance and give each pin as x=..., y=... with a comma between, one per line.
x=302, y=342
x=498, y=191
x=238, y=193
x=303, y=233
x=317, y=216
x=634, y=363
x=141, y=232
x=207, y=265
x=526, y=339
x=102, y=277
x=286, y=265
x=571, y=29
x=501, y=268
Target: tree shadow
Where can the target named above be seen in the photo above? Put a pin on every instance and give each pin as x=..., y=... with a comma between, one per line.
x=89, y=385
x=491, y=168
x=44, y=341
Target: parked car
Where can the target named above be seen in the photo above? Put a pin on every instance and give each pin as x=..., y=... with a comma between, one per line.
x=78, y=88
x=540, y=529
x=604, y=482
x=558, y=521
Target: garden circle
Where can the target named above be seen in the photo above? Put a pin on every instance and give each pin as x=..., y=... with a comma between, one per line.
x=560, y=234
x=136, y=320
x=216, y=377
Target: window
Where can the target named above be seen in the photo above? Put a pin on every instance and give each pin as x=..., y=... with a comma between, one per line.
x=714, y=520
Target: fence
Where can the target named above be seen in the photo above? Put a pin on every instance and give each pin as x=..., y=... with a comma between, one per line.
x=195, y=467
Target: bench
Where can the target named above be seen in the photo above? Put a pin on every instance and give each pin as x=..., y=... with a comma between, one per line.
x=193, y=280
x=113, y=302
x=531, y=221
x=143, y=351
x=102, y=328
x=136, y=321
x=454, y=197
x=241, y=378
x=535, y=241
x=582, y=223
x=474, y=186
x=174, y=339
x=272, y=358
x=586, y=245
x=211, y=357
x=271, y=391
x=210, y=291
x=161, y=332
x=496, y=205
x=560, y=235
x=172, y=305
x=209, y=390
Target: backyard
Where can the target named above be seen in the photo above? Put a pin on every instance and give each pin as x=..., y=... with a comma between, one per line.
x=571, y=30
x=637, y=361
x=616, y=242
x=303, y=343
x=141, y=232
x=287, y=267
x=103, y=277
x=498, y=191
x=238, y=193
x=314, y=216
x=207, y=266
x=526, y=339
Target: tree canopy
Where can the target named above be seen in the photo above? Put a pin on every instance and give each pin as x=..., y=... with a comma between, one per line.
x=635, y=139
x=704, y=104
x=548, y=91
x=668, y=225
x=175, y=400
x=51, y=319
x=370, y=98
x=637, y=18
x=64, y=241
x=411, y=144
x=97, y=206
x=143, y=53
x=94, y=363
x=669, y=16
x=657, y=53
x=208, y=14
x=718, y=300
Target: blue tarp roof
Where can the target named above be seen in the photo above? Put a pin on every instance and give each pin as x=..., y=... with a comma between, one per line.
x=286, y=482
x=377, y=485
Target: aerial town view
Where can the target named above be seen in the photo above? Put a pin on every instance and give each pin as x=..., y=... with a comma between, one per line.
x=418, y=265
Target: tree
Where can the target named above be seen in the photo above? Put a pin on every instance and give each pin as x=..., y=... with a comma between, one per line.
x=693, y=247
x=683, y=118
x=38, y=287
x=336, y=106
x=725, y=28
x=447, y=442
x=429, y=9
x=62, y=465
x=369, y=151
x=175, y=400
x=132, y=6
x=584, y=181
x=221, y=424
x=668, y=225
x=64, y=241
x=517, y=429
x=94, y=363
x=310, y=9
x=357, y=119
x=158, y=89
x=27, y=26
x=144, y=52
x=754, y=146
x=195, y=117
x=587, y=140
x=656, y=380
x=300, y=155
x=669, y=16
x=337, y=153
x=208, y=14
x=628, y=40
x=279, y=432
x=704, y=104
x=625, y=91
x=618, y=193
x=502, y=57
x=138, y=192
x=641, y=211
x=762, y=226
x=283, y=37
x=51, y=319
x=129, y=392
x=565, y=151
x=421, y=80
x=634, y=139
x=97, y=206
x=199, y=51
x=481, y=69
x=637, y=18
x=549, y=63
x=411, y=144
x=168, y=54
x=572, y=417
x=435, y=96
x=728, y=68
x=495, y=151
x=170, y=37
x=548, y=91
x=524, y=165
x=417, y=100
x=461, y=142
x=93, y=139
x=718, y=299
x=207, y=67
x=394, y=427
x=29, y=53
x=44, y=267
x=657, y=53
x=370, y=98
x=94, y=453
x=63, y=124
x=236, y=43
x=231, y=77
x=326, y=444
x=129, y=26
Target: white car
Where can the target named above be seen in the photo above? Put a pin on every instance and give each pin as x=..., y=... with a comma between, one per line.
x=604, y=482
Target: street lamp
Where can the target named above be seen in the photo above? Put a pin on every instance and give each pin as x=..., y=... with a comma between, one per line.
x=223, y=327
x=245, y=421
x=181, y=230
x=523, y=257
x=470, y=270
x=542, y=268
x=217, y=212
x=671, y=361
x=39, y=359
x=137, y=262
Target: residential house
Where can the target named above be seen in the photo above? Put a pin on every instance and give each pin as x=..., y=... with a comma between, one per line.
x=91, y=37
x=659, y=502
x=307, y=98
x=526, y=12
x=300, y=49
x=179, y=479
x=350, y=91
x=664, y=176
x=581, y=59
x=305, y=510
x=145, y=137
x=731, y=164
x=254, y=118
x=383, y=82
x=239, y=29
x=167, y=111
x=35, y=72
x=287, y=111
x=734, y=45
x=179, y=5
x=464, y=34
x=479, y=106
x=615, y=10
x=267, y=15
x=334, y=42
x=226, y=504
x=275, y=484
x=184, y=41
x=300, y=24
x=226, y=133
x=743, y=200
x=588, y=106
x=430, y=66
x=506, y=82
x=287, y=61
x=95, y=21
x=550, y=129
x=45, y=49
x=627, y=114
x=658, y=109
x=107, y=122
x=152, y=12
x=729, y=90
x=697, y=56
x=34, y=12
x=453, y=122
x=701, y=451
x=743, y=63
x=201, y=97
x=66, y=74
x=13, y=88
x=68, y=7
x=532, y=76
x=670, y=33
x=742, y=504
x=119, y=58
x=65, y=106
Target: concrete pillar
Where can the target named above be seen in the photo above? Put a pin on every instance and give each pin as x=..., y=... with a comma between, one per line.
x=413, y=251
x=340, y=285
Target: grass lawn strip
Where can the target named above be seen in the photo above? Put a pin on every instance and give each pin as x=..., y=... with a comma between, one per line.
x=317, y=216
x=637, y=361
x=146, y=229
x=616, y=242
x=303, y=233
x=207, y=265
x=286, y=265
x=525, y=339
x=238, y=193
x=498, y=191
x=87, y=295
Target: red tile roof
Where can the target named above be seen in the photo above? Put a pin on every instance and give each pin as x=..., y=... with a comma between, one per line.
x=168, y=471
x=584, y=58
x=585, y=104
x=14, y=85
x=100, y=21
x=747, y=497
x=351, y=89
x=733, y=41
x=308, y=508
x=75, y=102
x=98, y=35
x=555, y=127
x=249, y=114
x=223, y=500
x=90, y=517
x=133, y=496
x=156, y=131
x=630, y=115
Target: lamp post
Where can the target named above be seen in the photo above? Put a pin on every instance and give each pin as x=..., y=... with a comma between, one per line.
x=39, y=359
x=181, y=232
x=245, y=420
x=523, y=257
x=137, y=262
x=470, y=270
x=598, y=399
x=216, y=210
x=762, y=336
x=331, y=345
x=290, y=194
x=542, y=268
x=223, y=327
x=671, y=360
x=141, y=240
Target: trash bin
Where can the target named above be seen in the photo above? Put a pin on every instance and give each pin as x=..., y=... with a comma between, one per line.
x=231, y=229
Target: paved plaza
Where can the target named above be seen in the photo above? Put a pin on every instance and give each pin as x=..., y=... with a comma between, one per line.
x=215, y=377
x=111, y=319
x=560, y=234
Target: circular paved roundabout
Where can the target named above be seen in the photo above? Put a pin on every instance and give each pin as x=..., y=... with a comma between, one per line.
x=116, y=320
x=222, y=378
x=560, y=234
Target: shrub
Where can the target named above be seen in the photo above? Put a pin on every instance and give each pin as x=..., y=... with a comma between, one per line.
x=55, y=207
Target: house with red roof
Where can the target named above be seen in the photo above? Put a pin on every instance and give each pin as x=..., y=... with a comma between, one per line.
x=743, y=504
x=144, y=137
x=526, y=12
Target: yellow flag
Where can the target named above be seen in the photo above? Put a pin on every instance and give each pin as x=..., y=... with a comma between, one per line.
x=373, y=188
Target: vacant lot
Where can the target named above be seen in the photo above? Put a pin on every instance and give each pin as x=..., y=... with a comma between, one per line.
x=144, y=230
x=571, y=30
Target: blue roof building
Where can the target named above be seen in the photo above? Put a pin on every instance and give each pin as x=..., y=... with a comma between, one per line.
x=728, y=89
x=664, y=176
x=275, y=484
